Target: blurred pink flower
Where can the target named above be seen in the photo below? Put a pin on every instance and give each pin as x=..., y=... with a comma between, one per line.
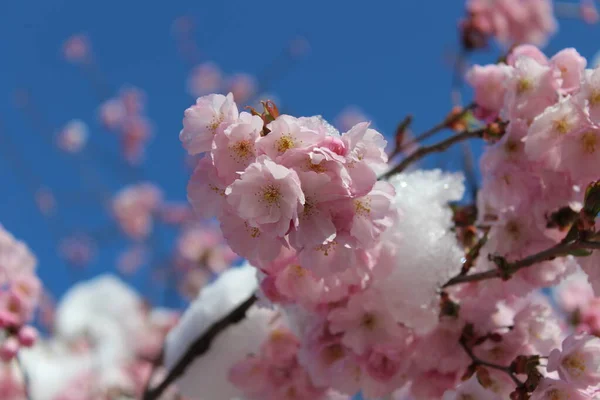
x=73, y=137
x=204, y=79
x=76, y=49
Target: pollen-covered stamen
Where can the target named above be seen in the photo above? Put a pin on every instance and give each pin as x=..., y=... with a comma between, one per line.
x=325, y=248
x=214, y=124
x=589, y=142
x=561, y=126
x=574, y=364
x=242, y=150
x=524, y=85
x=271, y=195
x=309, y=208
x=252, y=231
x=284, y=143
x=362, y=207
x=217, y=190
x=298, y=271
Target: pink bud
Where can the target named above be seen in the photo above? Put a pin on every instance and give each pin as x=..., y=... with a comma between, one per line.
x=27, y=336
x=9, y=349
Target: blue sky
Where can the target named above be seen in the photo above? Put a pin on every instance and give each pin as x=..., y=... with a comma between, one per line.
x=387, y=57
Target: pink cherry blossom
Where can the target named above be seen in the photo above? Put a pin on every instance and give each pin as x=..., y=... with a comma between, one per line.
x=249, y=242
x=243, y=87
x=286, y=135
x=550, y=389
x=571, y=66
x=373, y=214
x=489, y=83
x=76, y=49
x=268, y=196
x=134, y=207
x=578, y=362
x=205, y=190
x=315, y=221
x=579, y=155
x=364, y=322
x=73, y=137
x=204, y=78
x=530, y=80
x=210, y=116
x=551, y=127
x=527, y=50
x=236, y=148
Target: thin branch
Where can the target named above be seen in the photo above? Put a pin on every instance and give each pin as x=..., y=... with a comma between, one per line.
x=478, y=361
x=441, y=126
x=200, y=346
x=558, y=250
x=434, y=148
x=25, y=376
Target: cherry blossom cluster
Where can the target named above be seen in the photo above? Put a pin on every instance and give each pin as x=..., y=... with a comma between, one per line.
x=278, y=182
x=541, y=165
x=257, y=358
x=125, y=115
x=19, y=294
x=98, y=349
x=357, y=265
x=508, y=21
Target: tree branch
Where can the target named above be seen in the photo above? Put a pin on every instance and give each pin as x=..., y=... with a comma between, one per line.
x=25, y=377
x=477, y=361
x=560, y=249
x=200, y=346
x=434, y=148
x=441, y=126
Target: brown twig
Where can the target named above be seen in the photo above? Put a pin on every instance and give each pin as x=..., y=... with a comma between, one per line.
x=478, y=361
x=510, y=268
x=200, y=346
x=434, y=148
x=449, y=121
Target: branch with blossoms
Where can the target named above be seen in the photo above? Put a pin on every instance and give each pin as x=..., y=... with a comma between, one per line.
x=200, y=346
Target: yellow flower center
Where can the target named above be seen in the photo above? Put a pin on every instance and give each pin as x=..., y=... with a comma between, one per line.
x=271, y=195
x=242, y=149
x=524, y=85
x=561, y=126
x=362, y=207
x=214, y=124
x=574, y=364
x=285, y=143
x=326, y=247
